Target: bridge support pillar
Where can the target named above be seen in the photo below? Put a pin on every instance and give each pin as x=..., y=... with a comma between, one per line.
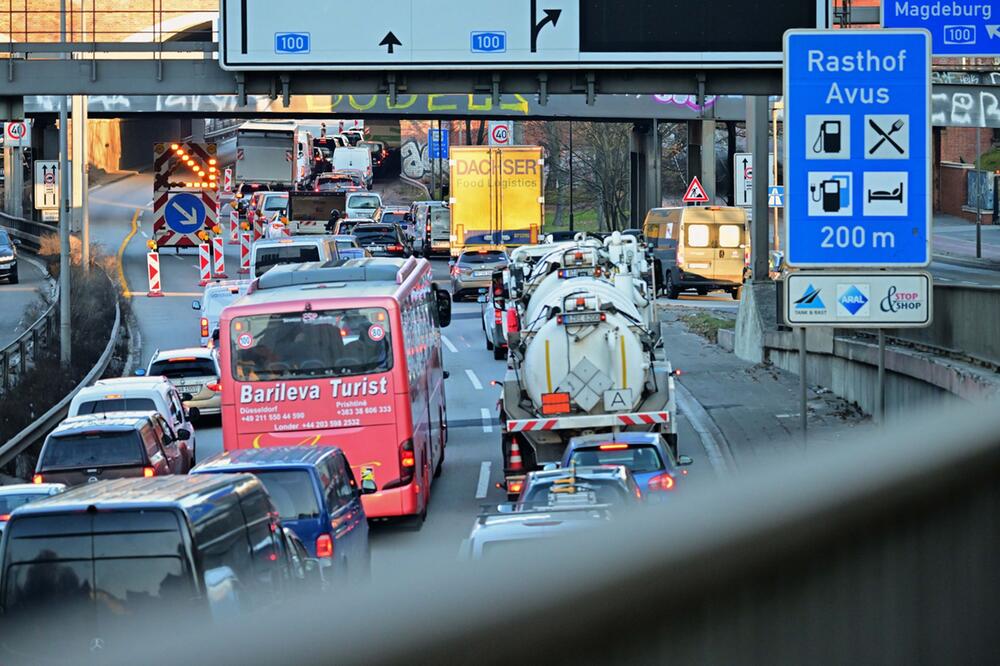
x=12, y=108
x=707, y=176
x=645, y=166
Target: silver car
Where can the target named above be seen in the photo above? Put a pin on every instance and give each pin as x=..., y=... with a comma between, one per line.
x=473, y=270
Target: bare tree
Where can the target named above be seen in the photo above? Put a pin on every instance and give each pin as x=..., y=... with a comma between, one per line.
x=602, y=169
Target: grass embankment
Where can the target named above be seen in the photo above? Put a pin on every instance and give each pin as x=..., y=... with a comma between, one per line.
x=707, y=325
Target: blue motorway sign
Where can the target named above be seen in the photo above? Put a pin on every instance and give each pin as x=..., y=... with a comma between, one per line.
x=957, y=27
x=292, y=42
x=437, y=144
x=489, y=42
x=185, y=213
x=858, y=148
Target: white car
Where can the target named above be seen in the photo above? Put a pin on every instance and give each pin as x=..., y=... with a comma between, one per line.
x=195, y=372
x=268, y=253
x=137, y=394
x=20, y=494
x=354, y=158
x=494, y=326
x=216, y=297
x=362, y=204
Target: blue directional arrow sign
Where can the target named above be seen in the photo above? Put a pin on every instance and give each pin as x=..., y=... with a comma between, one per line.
x=185, y=213
x=858, y=148
x=438, y=144
x=957, y=27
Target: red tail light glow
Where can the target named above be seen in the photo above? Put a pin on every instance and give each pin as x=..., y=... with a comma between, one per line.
x=407, y=462
x=37, y=478
x=513, y=325
x=214, y=386
x=204, y=327
x=148, y=472
x=515, y=486
x=4, y=517
x=662, y=482
x=498, y=317
x=324, y=546
x=612, y=447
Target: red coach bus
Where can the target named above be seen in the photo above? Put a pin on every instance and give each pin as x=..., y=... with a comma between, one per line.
x=347, y=354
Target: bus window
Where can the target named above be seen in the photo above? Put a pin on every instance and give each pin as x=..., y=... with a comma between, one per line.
x=328, y=343
x=697, y=235
x=729, y=235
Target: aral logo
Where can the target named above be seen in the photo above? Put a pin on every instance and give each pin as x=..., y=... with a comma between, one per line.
x=810, y=300
x=853, y=299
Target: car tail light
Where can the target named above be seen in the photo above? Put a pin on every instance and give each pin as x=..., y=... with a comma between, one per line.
x=204, y=327
x=498, y=317
x=395, y=248
x=515, y=486
x=4, y=517
x=662, y=482
x=37, y=478
x=214, y=386
x=324, y=546
x=428, y=228
x=148, y=472
x=612, y=447
x=513, y=325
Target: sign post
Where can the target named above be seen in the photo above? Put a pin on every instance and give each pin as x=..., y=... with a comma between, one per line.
x=858, y=184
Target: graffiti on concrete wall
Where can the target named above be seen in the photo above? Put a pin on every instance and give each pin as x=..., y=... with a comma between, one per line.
x=966, y=107
x=415, y=163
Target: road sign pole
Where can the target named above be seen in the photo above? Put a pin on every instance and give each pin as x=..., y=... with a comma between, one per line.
x=572, y=221
x=759, y=244
x=803, y=410
x=979, y=197
x=65, y=329
x=880, y=391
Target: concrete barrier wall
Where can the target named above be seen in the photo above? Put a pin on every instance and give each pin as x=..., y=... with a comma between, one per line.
x=966, y=321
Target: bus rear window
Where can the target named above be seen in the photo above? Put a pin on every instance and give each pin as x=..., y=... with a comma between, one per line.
x=308, y=345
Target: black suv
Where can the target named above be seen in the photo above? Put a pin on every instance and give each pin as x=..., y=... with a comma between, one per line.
x=8, y=257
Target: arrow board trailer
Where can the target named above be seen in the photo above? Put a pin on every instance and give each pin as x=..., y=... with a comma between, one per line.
x=517, y=34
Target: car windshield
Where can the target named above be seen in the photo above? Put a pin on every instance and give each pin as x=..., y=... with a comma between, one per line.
x=392, y=217
x=292, y=492
x=178, y=368
x=117, y=405
x=10, y=502
x=328, y=343
x=268, y=257
x=346, y=244
x=365, y=202
x=638, y=458
x=487, y=257
x=92, y=449
x=274, y=204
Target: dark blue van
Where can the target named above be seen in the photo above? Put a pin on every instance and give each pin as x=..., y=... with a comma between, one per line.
x=317, y=498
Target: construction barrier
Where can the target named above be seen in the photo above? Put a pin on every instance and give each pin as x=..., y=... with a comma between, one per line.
x=219, y=258
x=244, y=252
x=153, y=270
x=204, y=264
x=234, y=226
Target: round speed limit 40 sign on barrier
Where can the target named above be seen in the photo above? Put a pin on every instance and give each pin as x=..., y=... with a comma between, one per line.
x=501, y=132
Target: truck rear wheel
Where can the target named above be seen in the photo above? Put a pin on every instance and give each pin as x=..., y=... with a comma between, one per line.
x=669, y=288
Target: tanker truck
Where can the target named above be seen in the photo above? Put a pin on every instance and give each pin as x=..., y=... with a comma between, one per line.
x=585, y=351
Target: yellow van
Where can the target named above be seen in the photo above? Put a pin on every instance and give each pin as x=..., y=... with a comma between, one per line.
x=699, y=248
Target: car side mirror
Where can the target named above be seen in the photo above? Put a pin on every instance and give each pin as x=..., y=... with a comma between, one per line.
x=443, y=299
x=368, y=487
x=196, y=305
x=684, y=461
x=183, y=433
x=140, y=372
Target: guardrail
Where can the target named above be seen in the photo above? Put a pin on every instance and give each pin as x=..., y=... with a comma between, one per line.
x=17, y=357
x=47, y=421
x=29, y=232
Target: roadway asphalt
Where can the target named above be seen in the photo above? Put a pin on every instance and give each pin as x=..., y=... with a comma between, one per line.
x=473, y=451
x=15, y=298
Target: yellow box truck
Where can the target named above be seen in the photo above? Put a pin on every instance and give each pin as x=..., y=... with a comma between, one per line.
x=496, y=196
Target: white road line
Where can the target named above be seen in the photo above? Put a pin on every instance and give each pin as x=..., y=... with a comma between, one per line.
x=447, y=343
x=487, y=420
x=483, y=486
x=475, y=380
x=144, y=234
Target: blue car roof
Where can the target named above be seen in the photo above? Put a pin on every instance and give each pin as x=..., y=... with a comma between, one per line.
x=278, y=456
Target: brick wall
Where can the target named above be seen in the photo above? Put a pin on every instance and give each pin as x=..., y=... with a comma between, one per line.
x=958, y=144
x=111, y=20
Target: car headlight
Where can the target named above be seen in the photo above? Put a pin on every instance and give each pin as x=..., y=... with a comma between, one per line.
x=6, y=259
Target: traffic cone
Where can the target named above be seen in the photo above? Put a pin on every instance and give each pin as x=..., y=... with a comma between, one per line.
x=515, y=457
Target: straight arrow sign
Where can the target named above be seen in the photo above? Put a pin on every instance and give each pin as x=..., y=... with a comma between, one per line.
x=390, y=40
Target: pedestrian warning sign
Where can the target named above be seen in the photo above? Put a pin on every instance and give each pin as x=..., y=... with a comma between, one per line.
x=695, y=192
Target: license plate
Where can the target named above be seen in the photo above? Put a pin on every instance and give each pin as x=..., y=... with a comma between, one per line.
x=698, y=265
x=581, y=318
x=567, y=273
x=376, y=248
x=482, y=274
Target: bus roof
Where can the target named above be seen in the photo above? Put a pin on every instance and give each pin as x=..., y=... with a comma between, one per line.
x=351, y=278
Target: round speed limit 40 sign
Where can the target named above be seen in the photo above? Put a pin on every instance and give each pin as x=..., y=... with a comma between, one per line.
x=501, y=133
x=15, y=133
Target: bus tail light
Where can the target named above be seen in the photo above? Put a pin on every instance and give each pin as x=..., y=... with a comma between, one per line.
x=407, y=462
x=204, y=327
x=324, y=546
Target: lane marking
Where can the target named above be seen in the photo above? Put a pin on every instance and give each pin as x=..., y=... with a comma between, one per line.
x=475, y=380
x=487, y=420
x=121, y=253
x=484, y=479
x=186, y=294
x=447, y=343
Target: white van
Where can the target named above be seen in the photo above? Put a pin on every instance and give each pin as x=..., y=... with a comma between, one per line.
x=267, y=253
x=362, y=204
x=359, y=159
x=136, y=394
